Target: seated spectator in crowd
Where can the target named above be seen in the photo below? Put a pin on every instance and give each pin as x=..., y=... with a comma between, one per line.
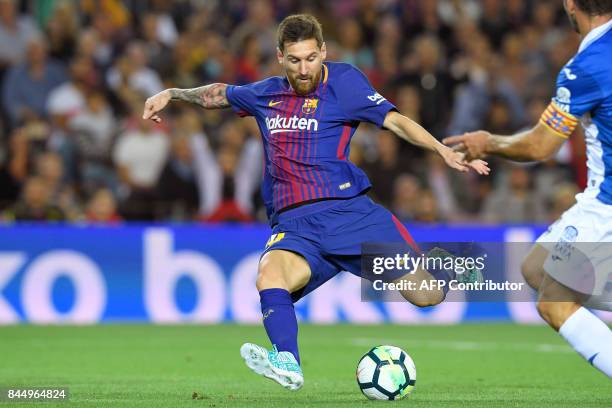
x=427, y=208
x=140, y=154
x=228, y=209
x=27, y=85
x=389, y=164
x=16, y=32
x=35, y=204
x=177, y=186
x=94, y=129
x=515, y=201
x=102, y=208
x=70, y=95
x=406, y=191
x=50, y=169
x=62, y=30
x=132, y=70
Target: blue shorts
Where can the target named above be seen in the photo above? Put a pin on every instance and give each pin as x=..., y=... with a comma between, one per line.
x=329, y=235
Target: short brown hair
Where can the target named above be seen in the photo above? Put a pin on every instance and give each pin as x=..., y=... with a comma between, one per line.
x=299, y=27
x=595, y=7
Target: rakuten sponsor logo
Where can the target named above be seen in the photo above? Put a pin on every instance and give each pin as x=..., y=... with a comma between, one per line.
x=292, y=124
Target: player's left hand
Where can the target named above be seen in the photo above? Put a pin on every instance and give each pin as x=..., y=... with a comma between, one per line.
x=457, y=161
x=480, y=166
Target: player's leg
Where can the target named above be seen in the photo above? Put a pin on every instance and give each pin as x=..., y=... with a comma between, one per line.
x=584, y=331
x=532, y=266
x=360, y=220
x=280, y=273
x=429, y=296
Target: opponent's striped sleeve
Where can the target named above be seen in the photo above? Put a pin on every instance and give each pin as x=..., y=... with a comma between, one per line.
x=559, y=122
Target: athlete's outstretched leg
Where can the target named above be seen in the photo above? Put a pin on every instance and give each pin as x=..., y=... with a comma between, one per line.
x=280, y=273
x=430, y=296
x=584, y=331
x=532, y=266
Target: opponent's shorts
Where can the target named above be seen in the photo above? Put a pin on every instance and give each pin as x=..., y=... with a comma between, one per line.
x=580, y=247
x=329, y=235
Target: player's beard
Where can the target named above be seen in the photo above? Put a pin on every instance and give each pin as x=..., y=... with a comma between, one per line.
x=304, y=87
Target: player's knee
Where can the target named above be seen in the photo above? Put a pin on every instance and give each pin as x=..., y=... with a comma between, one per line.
x=533, y=272
x=269, y=276
x=556, y=313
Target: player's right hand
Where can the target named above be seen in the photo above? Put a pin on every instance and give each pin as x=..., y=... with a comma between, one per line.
x=155, y=104
x=473, y=144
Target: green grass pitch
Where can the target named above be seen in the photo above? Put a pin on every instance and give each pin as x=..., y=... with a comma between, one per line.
x=471, y=365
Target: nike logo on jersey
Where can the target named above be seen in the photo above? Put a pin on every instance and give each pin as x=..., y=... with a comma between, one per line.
x=274, y=103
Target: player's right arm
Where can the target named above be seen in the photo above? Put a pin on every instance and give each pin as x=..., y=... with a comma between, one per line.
x=578, y=93
x=536, y=144
x=213, y=96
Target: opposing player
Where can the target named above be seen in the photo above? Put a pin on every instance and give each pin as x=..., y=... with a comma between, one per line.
x=584, y=92
x=315, y=197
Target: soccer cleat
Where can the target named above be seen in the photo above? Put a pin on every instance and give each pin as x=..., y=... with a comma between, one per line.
x=473, y=275
x=281, y=367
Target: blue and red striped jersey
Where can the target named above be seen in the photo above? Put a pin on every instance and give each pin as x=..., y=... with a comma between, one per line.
x=306, y=138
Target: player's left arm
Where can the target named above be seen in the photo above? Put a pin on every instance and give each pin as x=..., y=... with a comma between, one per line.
x=414, y=133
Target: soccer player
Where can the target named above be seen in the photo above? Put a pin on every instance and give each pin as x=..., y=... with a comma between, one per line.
x=584, y=92
x=314, y=196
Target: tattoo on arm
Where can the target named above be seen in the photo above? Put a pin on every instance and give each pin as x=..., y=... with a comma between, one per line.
x=211, y=96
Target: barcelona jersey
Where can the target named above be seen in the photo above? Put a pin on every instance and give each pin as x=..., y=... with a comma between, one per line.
x=306, y=138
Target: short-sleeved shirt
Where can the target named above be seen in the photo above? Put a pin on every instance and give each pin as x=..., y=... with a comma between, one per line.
x=306, y=138
x=584, y=93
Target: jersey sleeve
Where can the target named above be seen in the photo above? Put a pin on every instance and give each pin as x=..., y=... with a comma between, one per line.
x=242, y=99
x=577, y=93
x=359, y=101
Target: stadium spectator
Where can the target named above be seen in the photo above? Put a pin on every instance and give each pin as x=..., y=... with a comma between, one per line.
x=406, y=190
x=62, y=31
x=102, y=208
x=131, y=70
x=425, y=71
x=16, y=32
x=177, y=185
x=35, y=204
x=140, y=154
x=27, y=85
x=388, y=165
x=514, y=201
x=94, y=129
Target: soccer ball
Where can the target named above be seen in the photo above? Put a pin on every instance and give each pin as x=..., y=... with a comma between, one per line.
x=386, y=373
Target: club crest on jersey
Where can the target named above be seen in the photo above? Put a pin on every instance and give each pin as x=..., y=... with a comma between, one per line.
x=310, y=106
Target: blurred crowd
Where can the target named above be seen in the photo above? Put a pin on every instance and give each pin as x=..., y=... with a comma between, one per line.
x=74, y=76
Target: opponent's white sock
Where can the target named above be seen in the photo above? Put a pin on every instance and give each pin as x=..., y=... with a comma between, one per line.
x=591, y=338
